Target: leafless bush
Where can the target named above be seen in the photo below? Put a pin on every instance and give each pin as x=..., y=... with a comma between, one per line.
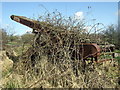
x=50, y=60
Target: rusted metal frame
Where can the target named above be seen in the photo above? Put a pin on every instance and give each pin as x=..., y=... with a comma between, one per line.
x=37, y=26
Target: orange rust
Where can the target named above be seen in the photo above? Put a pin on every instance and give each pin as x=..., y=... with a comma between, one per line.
x=90, y=50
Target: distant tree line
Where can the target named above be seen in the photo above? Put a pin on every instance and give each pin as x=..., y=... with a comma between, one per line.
x=111, y=35
x=11, y=39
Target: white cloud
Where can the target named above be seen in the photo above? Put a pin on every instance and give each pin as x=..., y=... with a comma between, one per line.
x=79, y=15
x=87, y=28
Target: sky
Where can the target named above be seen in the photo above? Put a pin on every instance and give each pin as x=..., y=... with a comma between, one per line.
x=103, y=12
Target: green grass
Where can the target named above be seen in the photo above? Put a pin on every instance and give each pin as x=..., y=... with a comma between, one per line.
x=12, y=84
x=5, y=73
x=117, y=51
x=106, y=56
x=118, y=59
x=12, y=43
x=21, y=49
x=18, y=47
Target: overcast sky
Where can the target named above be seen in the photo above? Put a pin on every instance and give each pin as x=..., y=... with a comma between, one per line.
x=103, y=12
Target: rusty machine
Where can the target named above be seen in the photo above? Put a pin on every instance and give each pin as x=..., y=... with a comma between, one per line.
x=59, y=38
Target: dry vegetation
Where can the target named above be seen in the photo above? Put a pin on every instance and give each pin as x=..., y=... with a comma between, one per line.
x=48, y=62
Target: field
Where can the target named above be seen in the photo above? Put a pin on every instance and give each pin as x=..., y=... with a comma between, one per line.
x=60, y=74
x=59, y=54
